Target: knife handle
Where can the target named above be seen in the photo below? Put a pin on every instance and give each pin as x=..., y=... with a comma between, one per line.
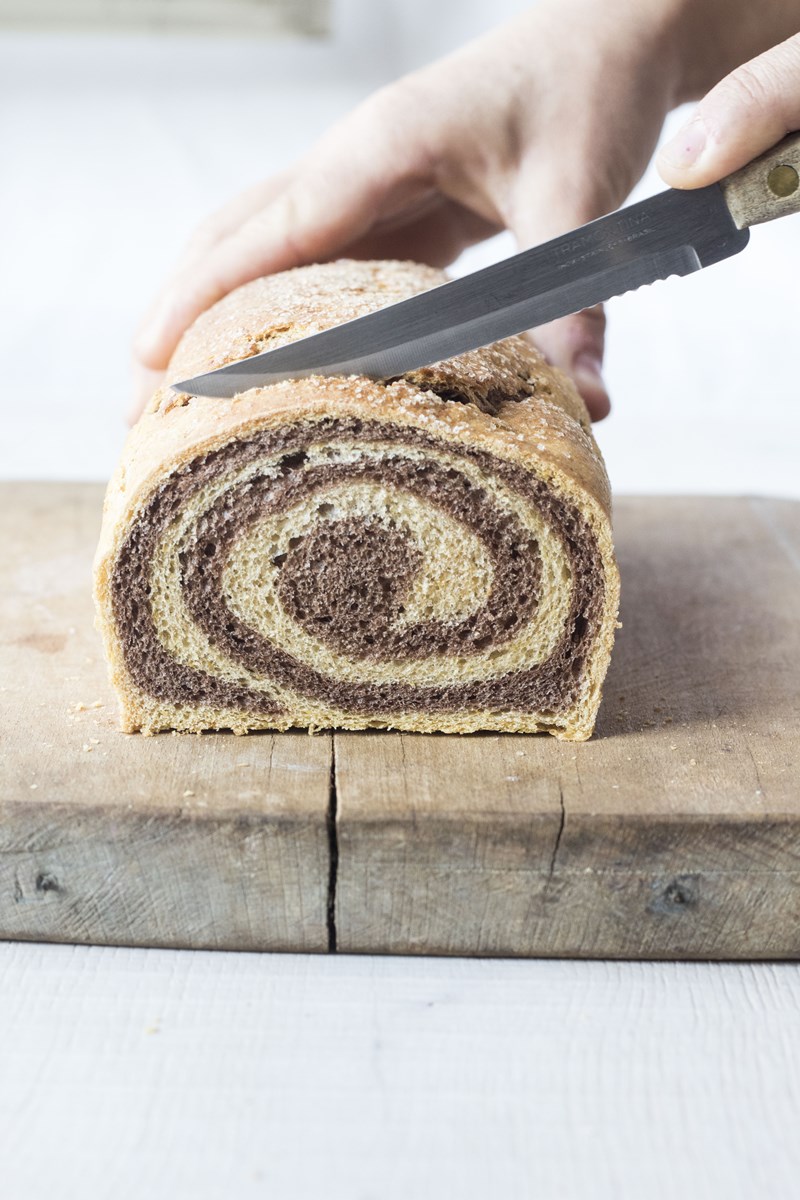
x=766, y=188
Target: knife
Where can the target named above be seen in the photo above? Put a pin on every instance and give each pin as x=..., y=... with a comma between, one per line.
x=673, y=233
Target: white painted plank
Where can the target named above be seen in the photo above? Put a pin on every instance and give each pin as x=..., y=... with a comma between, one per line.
x=151, y=1073
x=266, y=17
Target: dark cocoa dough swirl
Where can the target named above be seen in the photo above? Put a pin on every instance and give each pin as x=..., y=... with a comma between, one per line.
x=333, y=611
x=369, y=607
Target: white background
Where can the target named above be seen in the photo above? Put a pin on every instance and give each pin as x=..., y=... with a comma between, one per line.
x=158, y=1074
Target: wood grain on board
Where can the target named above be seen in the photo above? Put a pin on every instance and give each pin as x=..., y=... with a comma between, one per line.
x=212, y=841
x=675, y=832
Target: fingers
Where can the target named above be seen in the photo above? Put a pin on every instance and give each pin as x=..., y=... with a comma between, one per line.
x=575, y=344
x=331, y=199
x=745, y=114
x=433, y=233
x=157, y=336
x=228, y=218
x=295, y=227
x=267, y=240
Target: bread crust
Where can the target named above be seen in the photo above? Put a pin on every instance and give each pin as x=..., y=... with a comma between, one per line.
x=545, y=428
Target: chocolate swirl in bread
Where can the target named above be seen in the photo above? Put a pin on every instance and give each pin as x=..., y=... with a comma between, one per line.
x=345, y=553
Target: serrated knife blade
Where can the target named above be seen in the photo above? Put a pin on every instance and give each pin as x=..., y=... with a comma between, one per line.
x=672, y=233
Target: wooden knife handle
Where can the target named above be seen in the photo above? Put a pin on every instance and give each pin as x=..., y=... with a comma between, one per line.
x=766, y=188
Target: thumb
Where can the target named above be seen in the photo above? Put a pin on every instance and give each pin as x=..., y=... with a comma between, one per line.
x=745, y=114
x=330, y=199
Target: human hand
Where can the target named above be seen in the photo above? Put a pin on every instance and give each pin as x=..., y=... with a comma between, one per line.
x=538, y=127
x=748, y=112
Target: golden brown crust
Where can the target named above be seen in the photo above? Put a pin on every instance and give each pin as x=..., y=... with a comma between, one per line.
x=307, y=300
x=545, y=428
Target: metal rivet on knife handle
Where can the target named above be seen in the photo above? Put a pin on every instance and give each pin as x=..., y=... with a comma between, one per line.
x=783, y=180
x=766, y=188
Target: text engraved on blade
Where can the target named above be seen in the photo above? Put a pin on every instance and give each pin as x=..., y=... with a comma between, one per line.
x=579, y=247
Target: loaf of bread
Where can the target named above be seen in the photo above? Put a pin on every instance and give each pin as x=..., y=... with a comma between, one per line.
x=425, y=553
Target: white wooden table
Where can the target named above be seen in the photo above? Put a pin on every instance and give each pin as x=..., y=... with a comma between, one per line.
x=155, y=1074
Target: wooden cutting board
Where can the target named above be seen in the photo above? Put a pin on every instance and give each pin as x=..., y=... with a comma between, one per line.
x=675, y=832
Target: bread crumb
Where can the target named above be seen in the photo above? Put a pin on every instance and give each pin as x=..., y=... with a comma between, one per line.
x=188, y=792
x=87, y=749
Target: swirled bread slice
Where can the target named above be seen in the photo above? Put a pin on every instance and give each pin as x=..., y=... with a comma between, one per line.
x=430, y=553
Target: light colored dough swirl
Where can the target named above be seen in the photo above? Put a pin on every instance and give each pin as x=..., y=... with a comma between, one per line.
x=358, y=566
